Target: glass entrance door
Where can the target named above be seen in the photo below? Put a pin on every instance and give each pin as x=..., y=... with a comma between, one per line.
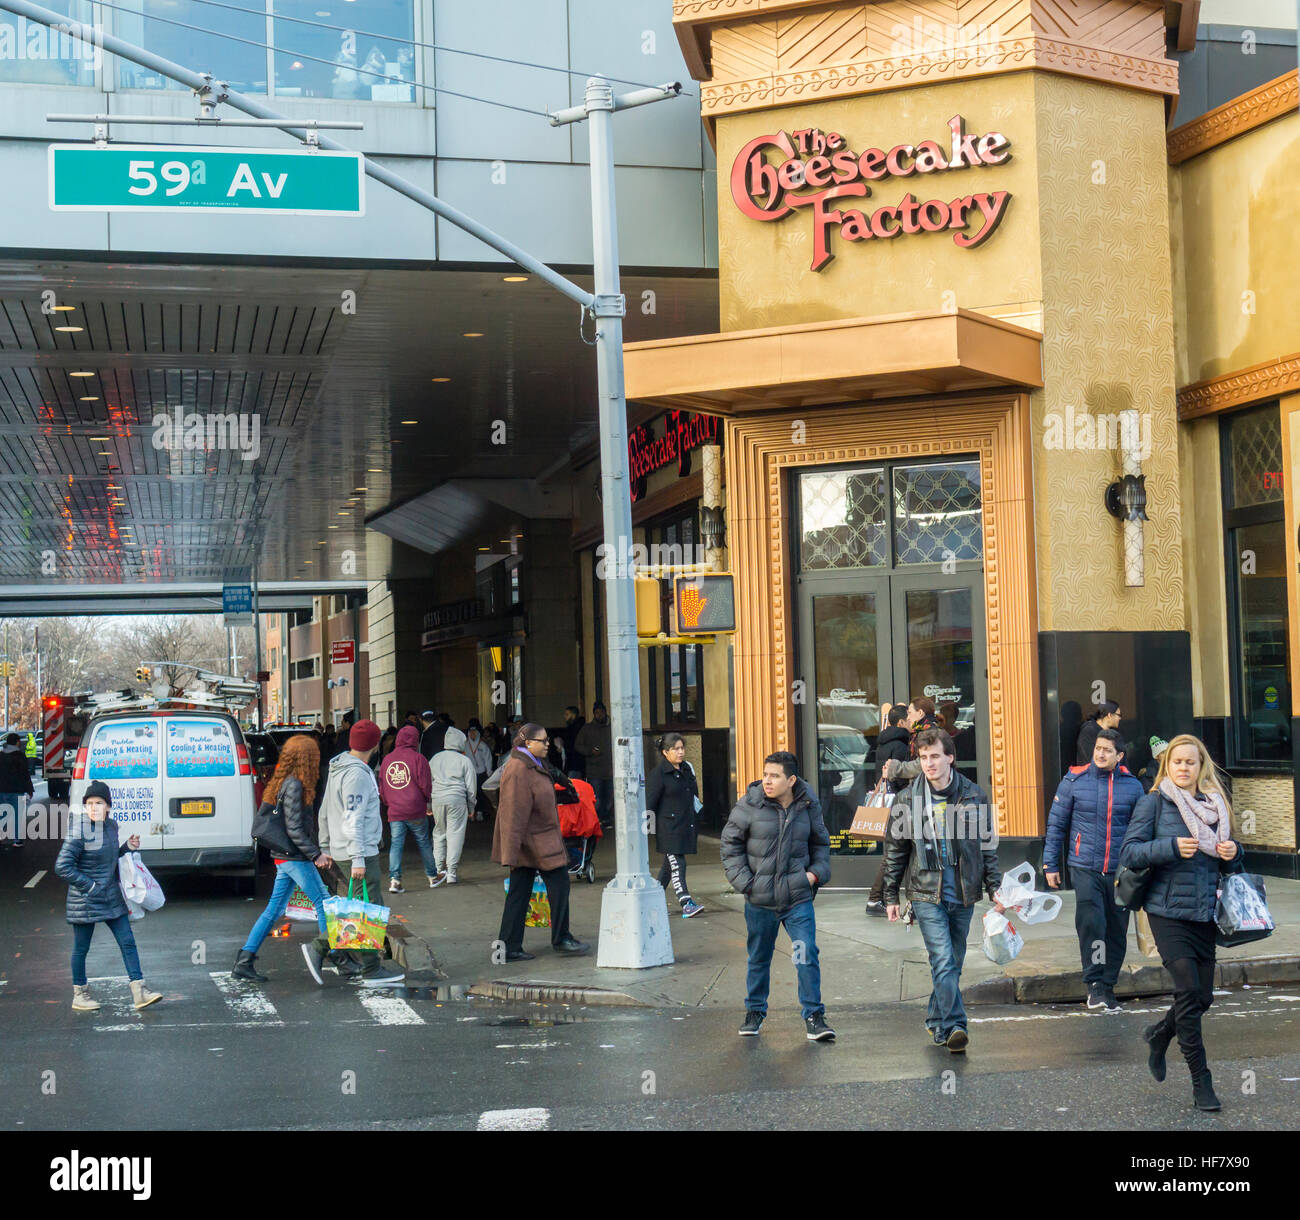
x=890, y=606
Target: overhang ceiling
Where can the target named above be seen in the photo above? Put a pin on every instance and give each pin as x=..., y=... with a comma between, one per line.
x=331, y=362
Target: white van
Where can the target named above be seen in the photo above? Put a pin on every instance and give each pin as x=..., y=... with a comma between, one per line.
x=181, y=780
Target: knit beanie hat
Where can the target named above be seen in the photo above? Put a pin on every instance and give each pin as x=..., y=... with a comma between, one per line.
x=1158, y=746
x=365, y=735
x=100, y=789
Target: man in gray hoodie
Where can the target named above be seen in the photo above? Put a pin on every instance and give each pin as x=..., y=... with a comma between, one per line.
x=349, y=824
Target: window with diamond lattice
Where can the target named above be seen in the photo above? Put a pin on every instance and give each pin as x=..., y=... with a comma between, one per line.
x=844, y=518
x=1256, y=457
x=937, y=512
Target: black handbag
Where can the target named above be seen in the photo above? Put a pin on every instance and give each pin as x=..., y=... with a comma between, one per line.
x=1131, y=885
x=270, y=831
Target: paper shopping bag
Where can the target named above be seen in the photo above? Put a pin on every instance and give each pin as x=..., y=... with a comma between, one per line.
x=1146, y=940
x=871, y=821
x=355, y=923
x=539, y=905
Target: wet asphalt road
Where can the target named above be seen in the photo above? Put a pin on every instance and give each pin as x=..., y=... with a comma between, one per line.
x=218, y=1054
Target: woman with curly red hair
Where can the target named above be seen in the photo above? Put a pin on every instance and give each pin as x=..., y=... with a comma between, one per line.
x=292, y=789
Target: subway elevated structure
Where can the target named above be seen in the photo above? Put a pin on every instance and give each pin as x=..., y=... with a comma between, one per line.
x=966, y=336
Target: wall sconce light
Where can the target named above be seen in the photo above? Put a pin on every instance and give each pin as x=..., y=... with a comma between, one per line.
x=713, y=516
x=1126, y=499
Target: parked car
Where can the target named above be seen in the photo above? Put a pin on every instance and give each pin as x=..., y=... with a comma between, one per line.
x=181, y=780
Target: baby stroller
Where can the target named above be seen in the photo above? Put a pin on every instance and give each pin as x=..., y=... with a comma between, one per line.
x=575, y=800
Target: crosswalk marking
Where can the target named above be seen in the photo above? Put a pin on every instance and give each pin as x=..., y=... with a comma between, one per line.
x=244, y=999
x=246, y=1005
x=535, y=1118
x=113, y=992
x=35, y=880
x=389, y=1010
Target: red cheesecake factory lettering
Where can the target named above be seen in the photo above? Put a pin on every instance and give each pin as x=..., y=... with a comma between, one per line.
x=819, y=160
x=683, y=431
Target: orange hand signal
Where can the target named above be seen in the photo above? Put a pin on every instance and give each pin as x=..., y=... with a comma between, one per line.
x=692, y=606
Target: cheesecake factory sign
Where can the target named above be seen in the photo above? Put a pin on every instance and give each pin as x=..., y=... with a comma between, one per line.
x=818, y=171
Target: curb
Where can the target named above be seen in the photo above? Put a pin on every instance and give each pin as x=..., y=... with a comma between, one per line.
x=413, y=954
x=553, y=993
x=1145, y=980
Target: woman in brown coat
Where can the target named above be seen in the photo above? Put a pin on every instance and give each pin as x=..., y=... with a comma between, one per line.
x=527, y=840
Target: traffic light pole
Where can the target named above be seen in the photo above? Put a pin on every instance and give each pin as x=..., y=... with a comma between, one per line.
x=633, y=910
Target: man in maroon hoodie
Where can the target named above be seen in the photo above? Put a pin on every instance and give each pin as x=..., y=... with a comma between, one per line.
x=405, y=786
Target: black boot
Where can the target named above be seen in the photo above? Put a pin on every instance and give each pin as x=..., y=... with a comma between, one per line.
x=246, y=967
x=1203, y=1095
x=1158, y=1038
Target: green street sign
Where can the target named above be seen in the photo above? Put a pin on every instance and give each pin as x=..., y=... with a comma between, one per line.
x=167, y=178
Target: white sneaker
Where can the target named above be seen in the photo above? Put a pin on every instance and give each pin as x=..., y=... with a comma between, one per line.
x=451, y=878
x=395, y=886
x=435, y=882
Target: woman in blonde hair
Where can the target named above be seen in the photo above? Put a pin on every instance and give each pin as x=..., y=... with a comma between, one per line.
x=297, y=854
x=1182, y=831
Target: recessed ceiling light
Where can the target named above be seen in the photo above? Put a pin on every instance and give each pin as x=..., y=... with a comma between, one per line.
x=70, y=330
x=63, y=308
x=440, y=378
x=472, y=334
x=81, y=374
x=410, y=421
x=331, y=527
x=89, y=398
x=483, y=548
x=358, y=489
x=343, y=512
x=306, y=561
x=105, y=453
x=99, y=438
x=515, y=279
x=375, y=470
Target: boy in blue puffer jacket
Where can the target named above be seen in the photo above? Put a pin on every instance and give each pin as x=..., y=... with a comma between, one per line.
x=1091, y=812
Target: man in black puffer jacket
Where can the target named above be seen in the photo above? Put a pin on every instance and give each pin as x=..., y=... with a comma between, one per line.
x=776, y=851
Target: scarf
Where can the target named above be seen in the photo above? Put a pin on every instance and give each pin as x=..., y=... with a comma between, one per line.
x=1208, y=821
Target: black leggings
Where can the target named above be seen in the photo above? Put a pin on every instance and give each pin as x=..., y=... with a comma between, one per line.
x=1188, y=952
x=673, y=873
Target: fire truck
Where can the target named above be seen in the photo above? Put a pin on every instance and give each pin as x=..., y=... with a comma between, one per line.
x=64, y=717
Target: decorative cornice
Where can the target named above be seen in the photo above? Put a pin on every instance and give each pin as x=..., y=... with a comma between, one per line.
x=899, y=72
x=1239, y=389
x=1272, y=100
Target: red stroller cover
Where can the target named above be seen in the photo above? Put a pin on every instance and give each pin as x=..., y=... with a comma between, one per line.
x=580, y=821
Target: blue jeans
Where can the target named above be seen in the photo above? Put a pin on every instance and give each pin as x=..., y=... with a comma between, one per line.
x=801, y=927
x=287, y=874
x=11, y=813
x=121, y=929
x=944, y=928
x=420, y=831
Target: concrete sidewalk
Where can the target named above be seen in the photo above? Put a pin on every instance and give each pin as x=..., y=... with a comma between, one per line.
x=864, y=959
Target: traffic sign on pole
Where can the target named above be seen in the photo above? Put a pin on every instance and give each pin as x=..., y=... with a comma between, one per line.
x=237, y=605
x=170, y=178
x=342, y=652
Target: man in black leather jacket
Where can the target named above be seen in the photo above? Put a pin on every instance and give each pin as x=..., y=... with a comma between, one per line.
x=776, y=851
x=942, y=850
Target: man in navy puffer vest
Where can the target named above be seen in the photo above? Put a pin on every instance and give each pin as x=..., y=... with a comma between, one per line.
x=1088, y=817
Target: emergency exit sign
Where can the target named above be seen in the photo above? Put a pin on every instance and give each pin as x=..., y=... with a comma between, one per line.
x=166, y=178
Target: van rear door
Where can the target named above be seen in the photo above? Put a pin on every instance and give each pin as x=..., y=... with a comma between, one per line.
x=206, y=802
x=124, y=754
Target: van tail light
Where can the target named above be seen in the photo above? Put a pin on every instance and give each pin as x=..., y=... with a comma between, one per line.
x=79, y=767
x=241, y=753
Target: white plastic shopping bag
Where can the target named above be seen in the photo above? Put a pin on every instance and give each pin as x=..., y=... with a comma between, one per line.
x=1017, y=893
x=1001, y=940
x=138, y=884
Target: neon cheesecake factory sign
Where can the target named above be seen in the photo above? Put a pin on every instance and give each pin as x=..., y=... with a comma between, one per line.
x=818, y=171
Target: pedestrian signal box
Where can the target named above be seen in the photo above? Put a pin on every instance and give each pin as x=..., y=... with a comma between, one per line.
x=649, y=616
x=705, y=603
